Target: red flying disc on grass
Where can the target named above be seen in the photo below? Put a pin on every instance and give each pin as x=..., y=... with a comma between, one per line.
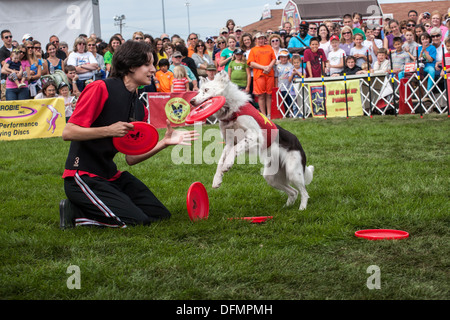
x=254, y=219
x=197, y=202
x=140, y=140
x=205, y=110
x=382, y=234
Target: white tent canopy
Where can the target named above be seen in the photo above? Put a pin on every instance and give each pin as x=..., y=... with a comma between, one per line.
x=64, y=18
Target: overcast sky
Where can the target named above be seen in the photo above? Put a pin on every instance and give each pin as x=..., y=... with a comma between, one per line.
x=206, y=17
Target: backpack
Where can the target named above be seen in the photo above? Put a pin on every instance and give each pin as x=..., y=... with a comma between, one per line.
x=57, y=77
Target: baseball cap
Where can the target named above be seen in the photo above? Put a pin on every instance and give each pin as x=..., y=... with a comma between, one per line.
x=211, y=67
x=237, y=28
x=177, y=54
x=209, y=38
x=334, y=37
x=238, y=51
x=259, y=35
x=27, y=36
x=283, y=53
x=304, y=24
x=224, y=29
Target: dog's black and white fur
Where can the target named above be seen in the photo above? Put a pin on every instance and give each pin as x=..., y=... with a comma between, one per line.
x=285, y=152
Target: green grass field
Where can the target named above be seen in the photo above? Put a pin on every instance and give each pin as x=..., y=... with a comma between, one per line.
x=386, y=172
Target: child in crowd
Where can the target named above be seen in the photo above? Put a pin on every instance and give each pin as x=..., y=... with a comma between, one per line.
x=14, y=67
x=350, y=67
x=180, y=82
x=164, y=76
x=382, y=63
x=359, y=51
x=357, y=19
x=71, y=73
x=48, y=91
x=239, y=71
x=410, y=45
x=315, y=59
x=335, y=57
x=427, y=58
x=447, y=57
x=69, y=100
x=282, y=71
x=296, y=73
x=400, y=58
x=211, y=71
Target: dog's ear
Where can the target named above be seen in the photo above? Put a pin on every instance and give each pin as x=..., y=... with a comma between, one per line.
x=202, y=81
x=222, y=76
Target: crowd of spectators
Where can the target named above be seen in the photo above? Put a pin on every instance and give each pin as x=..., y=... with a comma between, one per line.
x=257, y=62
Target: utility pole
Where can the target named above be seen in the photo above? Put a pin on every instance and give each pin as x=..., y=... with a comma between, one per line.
x=189, y=21
x=119, y=21
x=164, y=18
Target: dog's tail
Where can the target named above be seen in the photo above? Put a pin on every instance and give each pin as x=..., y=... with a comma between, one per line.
x=309, y=171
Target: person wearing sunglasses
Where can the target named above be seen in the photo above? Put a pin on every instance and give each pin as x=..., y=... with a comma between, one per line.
x=84, y=62
x=5, y=52
x=34, y=85
x=138, y=36
x=436, y=37
x=192, y=42
x=276, y=43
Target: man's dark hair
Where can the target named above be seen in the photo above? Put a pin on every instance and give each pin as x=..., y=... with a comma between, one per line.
x=131, y=54
x=5, y=31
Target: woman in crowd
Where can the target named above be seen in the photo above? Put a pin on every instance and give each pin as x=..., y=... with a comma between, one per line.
x=323, y=33
x=346, y=40
x=227, y=54
x=436, y=36
x=100, y=73
x=419, y=30
x=13, y=92
x=230, y=26
x=138, y=36
x=395, y=32
x=436, y=22
x=35, y=70
x=276, y=43
x=84, y=62
x=114, y=43
x=221, y=45
x=169, y=49
x=52, y=63
x=159, y=48
x=201, y=58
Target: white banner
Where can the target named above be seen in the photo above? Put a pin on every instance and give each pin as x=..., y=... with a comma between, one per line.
x=42, y=19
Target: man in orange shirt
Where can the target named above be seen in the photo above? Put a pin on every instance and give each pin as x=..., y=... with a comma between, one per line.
x=192, y=41
x=262, y=59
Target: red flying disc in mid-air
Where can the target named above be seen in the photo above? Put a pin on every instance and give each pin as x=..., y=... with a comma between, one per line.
x=382, y=234
x=205, y=110
x=140, y=140
x=197, y=202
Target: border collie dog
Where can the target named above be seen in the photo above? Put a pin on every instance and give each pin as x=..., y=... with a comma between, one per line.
x=244, y=129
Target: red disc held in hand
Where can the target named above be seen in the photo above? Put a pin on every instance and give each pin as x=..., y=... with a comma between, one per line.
x=205, y=110
x=197, y=202
x=382, y=234
x=140, y=140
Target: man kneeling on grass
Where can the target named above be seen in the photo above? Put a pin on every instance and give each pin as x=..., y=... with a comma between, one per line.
x=98, y=194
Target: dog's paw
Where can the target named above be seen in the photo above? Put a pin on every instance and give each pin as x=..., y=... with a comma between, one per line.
x=290, y=201
x=217, y=182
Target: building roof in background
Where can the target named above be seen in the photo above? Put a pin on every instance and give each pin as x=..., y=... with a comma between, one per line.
x=398, y=10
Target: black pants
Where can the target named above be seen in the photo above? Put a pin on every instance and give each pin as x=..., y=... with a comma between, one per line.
x=125, y=201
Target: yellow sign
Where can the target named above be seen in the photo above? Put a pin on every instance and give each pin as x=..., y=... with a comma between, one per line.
x=29, y=119
x=338, y=101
